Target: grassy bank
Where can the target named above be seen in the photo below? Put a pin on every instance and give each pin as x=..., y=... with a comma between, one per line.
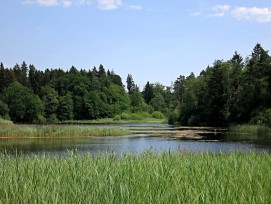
x=113, y=121
x=149, y=178
x=58, y=131
x=140, y=117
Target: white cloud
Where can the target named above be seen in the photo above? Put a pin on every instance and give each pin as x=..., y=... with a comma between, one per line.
x=42, y=2
x=220, y=10
x=135, y=7
x=260, y=15
x=197, y=13
x=85, y=2
x=66, y=3
x=109, y=4
x=101, y=4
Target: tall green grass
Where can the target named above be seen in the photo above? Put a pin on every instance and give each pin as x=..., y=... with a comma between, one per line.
x=61, y=131
x=148, y=178
x=249, y=131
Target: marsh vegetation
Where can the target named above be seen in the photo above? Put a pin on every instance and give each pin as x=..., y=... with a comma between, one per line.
x=59, y=131
x=149, y=178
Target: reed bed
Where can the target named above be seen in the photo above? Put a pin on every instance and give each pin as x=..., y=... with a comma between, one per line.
x=149, y=178
x=59, y=131
x=250, y=131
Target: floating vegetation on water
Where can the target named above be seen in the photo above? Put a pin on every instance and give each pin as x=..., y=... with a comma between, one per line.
x=149, y=178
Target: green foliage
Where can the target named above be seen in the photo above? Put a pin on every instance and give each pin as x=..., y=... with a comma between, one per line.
x=131, y=86
x=96, y=107
x=58, y=131
x=117, y=98
x=125, y=116
x=2, y=77
x=146, y=178
x=229, y=92
x=173, y=118
x=180, y=88
x=136, y=99
x=248, y=131
x=23, y=104
x=5, y=122
x=50, y=100
x=157, y=114
x=148, y=92
x=65, y=108
x=40, y=120
x=52, y=119
x=4, y=110
x=158, y=103
x=117, y=118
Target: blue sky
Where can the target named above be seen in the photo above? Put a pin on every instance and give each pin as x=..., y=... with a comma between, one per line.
x=154, y=41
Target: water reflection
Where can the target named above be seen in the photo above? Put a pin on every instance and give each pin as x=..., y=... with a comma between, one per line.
x=122, y=145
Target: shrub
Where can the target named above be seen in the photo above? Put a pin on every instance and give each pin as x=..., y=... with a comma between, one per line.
x=193, y=120
x=52, y=119
x=117, y=117
x=173, y=118
x=5, y=122
x=136, y=116
x=40, y=119
x=158, y=115
x=4, y=110
x=125, y=116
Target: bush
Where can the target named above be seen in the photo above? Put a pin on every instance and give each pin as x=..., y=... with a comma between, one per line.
x=193, y=120
x=173, y=118
x=117, y=117
x=5, y=122
x=262, y=118
x=4, y=111
x=40, y=120
x=136, y=116
x=136, y=109
x=125, y=116
x=52, y=119
x=158, y=115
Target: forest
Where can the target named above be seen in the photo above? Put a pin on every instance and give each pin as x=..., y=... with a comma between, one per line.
x=234, y=91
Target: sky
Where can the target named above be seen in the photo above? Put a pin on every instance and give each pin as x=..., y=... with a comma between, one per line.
x=153, y=40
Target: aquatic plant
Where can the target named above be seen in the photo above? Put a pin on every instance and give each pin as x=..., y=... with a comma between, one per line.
x=149, y=178
x=249, y=131
x=61, y=131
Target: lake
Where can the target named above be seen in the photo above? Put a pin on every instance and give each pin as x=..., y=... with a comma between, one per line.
x=135, y=143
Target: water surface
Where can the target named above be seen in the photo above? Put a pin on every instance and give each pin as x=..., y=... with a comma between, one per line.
x=136, y=143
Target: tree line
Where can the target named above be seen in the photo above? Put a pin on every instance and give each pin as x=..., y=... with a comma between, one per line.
x=235, y=91
x=228, y=92
x=29, y=95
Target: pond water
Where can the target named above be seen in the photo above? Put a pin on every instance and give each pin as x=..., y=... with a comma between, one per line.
x=136, y=143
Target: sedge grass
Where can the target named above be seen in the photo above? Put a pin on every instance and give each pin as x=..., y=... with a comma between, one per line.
x=149, y=178
x=58, y=131
x=249, y=131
